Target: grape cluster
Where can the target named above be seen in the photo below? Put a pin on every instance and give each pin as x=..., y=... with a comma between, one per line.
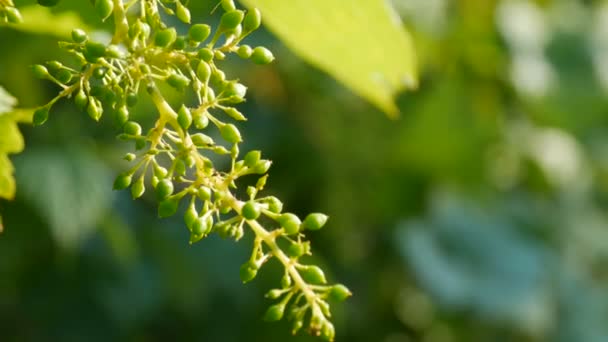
x=177, y=157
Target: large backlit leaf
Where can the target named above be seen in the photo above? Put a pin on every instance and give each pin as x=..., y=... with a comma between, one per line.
x=360, y=43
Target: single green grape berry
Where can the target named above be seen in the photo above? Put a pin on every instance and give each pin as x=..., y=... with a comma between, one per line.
x=104, y=8
x=199, y=227
x=166, y=37
x=204, y=193
x=40, y=71
x=48, y=3
x=261, y=55
x=200, y=120
x=40, y=116
x=131, y=99
x=261, y=167
x=274, y=293
x=129, y=157
x=296, y=250
x=168, y=207
x=190, y=216
x=121, y=116
x=122, y=181
x=182, y=13
x=230, y=133
x=180, y=43
x=160, y=171
x=252, y=20
x=252, y=158
x=274, y=313
x=244, y=51
x=63, y=76
x=327, y=331
x=248, y=271
x=81, y=100
x=94, y=109
x=290, y=222
x=164, y=189
x=228, y=5
x=206, y=54
x=79, y=36
x=132, y=128
x=13, y=16
x=93, y=51
x=138, y=188
x=339, y=292
x=184, y=117
x=199, y=32
x=314, y=221
x=230, y=20
x=235, y=114
x=251, y=210
x=312, y=274
x=219, y=55
x=235, y=89
x=218, y=76
x=201, y=140
x=178, y=81
x=203, y=71
x=274, y=204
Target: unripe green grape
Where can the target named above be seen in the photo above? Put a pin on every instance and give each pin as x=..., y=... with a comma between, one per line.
x=202, y=225
x=131, y=99
x=252, y=158
x=121, y=116
x=228, y=5
x=204, y=193
x=314, y=221
x=180, y=43
x=40, y=116
x=235, y=89
x=138, y=188
x=235, y=114
x=40, y=71
x=313, y=274
x=248, y=271
x=219, y=55
x=178, y=81
x=327, y=331
x=339, y=292
x=261, y=167
x=64, y=76
x=182, y=13
x=199, y=32
x=295, y=250
x=160, y=171
x=166, y=37
x=129, y=157
x=230, y=133
x=184, y=117
x=122, y=181
x=261, y=55
x=244, y=51
x=132, y=128
x=203, y=71
x=201, y=140
x=164, y=189
x=190, y=216
x=230, y=20
x=140, y=143
x=13, y=16
x=114, y=51
x=180, y=167
x=48, y=3
x=93, y=51
x=274, y=294
x=252, y=20
x=274, y=204
x=81, y=100
x=274, y=313
x=94, y=109
x=218, y=76
x=289, y=222
x=79, y=36
x=251, y=210
x=200, y=120
x=104, y=8
x=205, y=54
x=99, y=73
x=168, y=207
x=286, y=281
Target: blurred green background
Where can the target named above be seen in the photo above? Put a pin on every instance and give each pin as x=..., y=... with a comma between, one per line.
x=481, y=214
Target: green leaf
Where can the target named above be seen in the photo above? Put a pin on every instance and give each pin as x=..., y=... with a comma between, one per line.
x=41, y=20
x=7, y=181
x=360, y=43
x=11, y=141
